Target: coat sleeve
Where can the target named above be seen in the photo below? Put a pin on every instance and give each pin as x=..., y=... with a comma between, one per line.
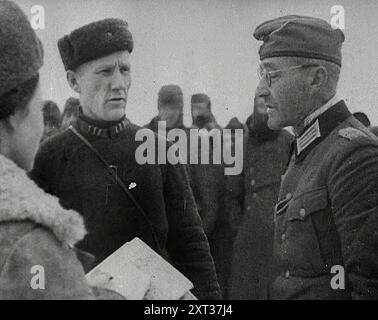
x=41, y=268
x=187, y=245
x=43, y=163
x=51, y=160
x=353, y=185
x=234, y=200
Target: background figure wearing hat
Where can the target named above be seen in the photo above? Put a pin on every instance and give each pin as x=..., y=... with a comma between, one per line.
x=34, y=229
x=327, y=210
x=222, y=235
x=251, y=197
x=208, y=180
x=97, y=59
x=204, y=179
x=170, y=108
x=363, y=118
x=202, y=116
x=70, y=113
x=51, y=119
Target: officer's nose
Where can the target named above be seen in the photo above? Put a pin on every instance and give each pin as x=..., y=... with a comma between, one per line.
x=118, y=81
x=262, y=89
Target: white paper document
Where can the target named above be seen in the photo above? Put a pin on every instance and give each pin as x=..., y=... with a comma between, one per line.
x=137, y=272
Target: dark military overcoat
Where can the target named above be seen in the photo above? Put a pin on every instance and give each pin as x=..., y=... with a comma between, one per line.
x=171, y=225
x=326, y=219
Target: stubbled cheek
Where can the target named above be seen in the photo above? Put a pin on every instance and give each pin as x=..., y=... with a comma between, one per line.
x=99, y=100
x=128, y=83
x=98, y=87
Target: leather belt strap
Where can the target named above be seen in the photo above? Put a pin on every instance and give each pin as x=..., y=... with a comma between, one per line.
x=120, y=183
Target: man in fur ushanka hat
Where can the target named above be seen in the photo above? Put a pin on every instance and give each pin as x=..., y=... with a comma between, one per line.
x=158, y=205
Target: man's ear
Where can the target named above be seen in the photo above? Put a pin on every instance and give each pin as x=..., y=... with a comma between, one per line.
x=319, y=77
x=13, y=121
x=72, y=78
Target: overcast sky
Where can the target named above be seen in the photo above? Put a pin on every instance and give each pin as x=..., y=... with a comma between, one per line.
x=207, y=46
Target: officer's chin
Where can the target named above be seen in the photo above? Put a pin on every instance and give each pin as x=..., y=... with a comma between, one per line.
x=274, y=124
x=114, y=112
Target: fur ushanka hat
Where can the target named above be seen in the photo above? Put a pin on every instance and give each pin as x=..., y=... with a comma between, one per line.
x=93, y=41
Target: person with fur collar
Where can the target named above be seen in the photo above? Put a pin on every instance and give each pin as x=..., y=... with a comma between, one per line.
x=36, y=234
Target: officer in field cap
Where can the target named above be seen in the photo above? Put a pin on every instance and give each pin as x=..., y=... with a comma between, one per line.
x=327, y=211
x=152, y=201
x=300, y=36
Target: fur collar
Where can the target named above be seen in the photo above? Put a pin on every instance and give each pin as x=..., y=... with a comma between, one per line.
x=21, y=199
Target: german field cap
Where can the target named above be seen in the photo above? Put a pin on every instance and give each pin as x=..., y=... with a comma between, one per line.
x=93, y=41
x=300, y=36
x=21, y=53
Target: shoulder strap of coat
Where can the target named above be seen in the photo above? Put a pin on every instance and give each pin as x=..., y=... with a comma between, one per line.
x=119, y=182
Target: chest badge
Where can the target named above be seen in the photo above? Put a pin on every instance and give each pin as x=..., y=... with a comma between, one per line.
x=132, y=185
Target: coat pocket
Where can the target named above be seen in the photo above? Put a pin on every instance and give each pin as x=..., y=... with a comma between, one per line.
x=307, y=204
x=303, y=233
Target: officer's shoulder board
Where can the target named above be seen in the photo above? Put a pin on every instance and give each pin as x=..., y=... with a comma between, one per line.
x=350, y=133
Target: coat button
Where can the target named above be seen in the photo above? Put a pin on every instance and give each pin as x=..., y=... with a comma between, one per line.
x=249, y=208
x=253, y=182
x=288, y=196
x=283, y=237
x=287, y=274
x=302, y=212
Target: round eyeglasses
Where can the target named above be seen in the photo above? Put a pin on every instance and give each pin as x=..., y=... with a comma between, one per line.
x=263, y=74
